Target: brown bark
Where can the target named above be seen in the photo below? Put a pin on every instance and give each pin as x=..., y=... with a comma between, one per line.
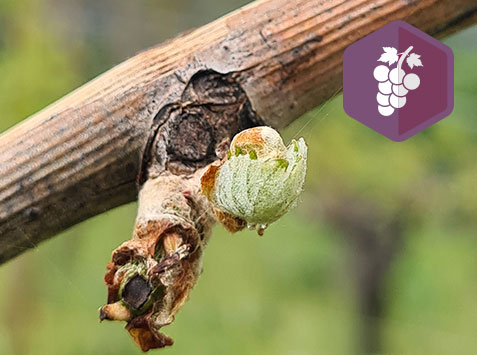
x=277, y=59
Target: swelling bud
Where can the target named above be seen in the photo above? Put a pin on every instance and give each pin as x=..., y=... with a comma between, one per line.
x=259, y=180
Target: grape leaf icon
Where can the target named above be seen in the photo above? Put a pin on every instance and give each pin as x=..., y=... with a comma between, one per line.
x=413, y=60
x=394, y=84
x=389, y=56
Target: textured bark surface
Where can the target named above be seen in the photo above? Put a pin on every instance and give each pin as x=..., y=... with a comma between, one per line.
x=277, y=59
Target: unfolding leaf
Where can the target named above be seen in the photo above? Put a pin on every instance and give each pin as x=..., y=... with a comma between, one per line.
x=413, y=60
x=389, y=56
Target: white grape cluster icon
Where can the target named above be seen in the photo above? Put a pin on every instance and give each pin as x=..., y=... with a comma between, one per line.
x=394, y=84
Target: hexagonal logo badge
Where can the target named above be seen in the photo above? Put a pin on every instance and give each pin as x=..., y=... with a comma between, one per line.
x=398, y=80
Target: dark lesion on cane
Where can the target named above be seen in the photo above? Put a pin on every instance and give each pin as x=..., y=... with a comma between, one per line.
x=190, y=133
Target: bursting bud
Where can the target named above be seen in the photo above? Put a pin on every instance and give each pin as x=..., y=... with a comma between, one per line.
x=258, y=181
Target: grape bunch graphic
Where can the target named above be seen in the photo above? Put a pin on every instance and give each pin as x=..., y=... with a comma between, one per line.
x=394, y=84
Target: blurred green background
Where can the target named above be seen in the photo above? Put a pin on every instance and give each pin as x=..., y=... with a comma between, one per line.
x=379, y=256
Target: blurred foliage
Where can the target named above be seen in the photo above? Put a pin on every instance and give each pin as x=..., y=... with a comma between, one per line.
x=290, y=292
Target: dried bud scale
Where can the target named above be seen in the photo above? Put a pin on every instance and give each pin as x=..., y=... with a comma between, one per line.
x=151, y=275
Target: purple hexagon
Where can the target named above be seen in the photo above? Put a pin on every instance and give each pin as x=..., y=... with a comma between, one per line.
x=398, y=80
